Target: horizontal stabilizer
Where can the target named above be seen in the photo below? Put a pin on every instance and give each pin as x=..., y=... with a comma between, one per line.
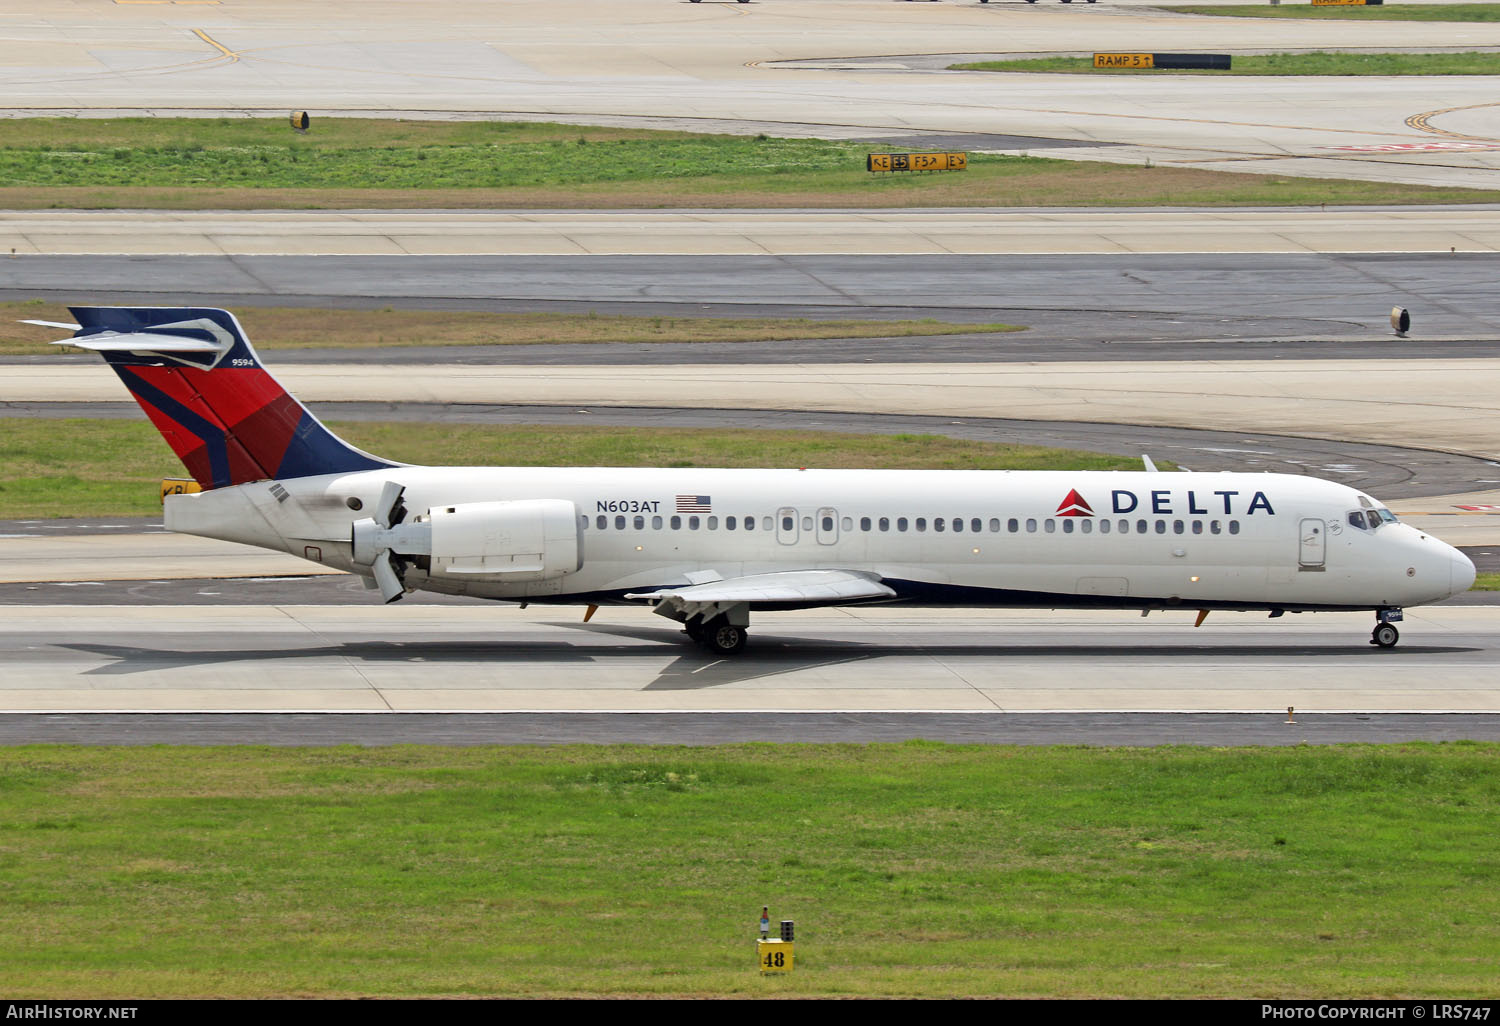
x=141, y=342
x=55, y=324
x=800, y=587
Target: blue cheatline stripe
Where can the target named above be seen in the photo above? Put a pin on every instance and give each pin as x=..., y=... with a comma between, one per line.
x=210, y=434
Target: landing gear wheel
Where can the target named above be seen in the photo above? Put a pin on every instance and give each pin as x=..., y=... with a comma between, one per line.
x=1385, y=635
x=725, y=639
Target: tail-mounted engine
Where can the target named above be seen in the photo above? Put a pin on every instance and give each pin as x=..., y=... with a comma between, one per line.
x=521, y=541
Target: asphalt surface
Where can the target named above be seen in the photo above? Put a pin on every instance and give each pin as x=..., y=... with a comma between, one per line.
x=1075, y=306
x=1124, y=729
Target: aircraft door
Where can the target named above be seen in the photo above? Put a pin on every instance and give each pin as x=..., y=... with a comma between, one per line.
x=828, y=526
x=786, y=525
x=1312, y=544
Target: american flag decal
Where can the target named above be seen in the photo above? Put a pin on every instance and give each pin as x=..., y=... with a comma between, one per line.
x=694, y=504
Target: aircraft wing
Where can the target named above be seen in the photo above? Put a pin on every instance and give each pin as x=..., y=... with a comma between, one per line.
x=802, y=589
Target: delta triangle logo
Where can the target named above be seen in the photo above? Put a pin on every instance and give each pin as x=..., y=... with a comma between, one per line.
x=1074, y=506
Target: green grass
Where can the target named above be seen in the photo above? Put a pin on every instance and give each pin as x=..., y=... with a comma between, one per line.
x=215, y=164
x=916, y=869
x=322, y=328
x=78, y=468
x=1320, y=63
x=1385, y=12
x=1486, y=582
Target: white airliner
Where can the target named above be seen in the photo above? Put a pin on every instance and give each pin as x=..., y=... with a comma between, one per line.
x=707, y=547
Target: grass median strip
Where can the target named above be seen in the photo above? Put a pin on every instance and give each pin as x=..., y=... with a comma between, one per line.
x=917, y=869
x=83, y=467
x=208, y=163
x=1319, y=63
x=323, y=328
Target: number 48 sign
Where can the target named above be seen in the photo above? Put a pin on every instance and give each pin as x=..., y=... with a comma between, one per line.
x=775, y=956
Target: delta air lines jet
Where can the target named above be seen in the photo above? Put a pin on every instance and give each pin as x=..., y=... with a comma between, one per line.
x=709, y=547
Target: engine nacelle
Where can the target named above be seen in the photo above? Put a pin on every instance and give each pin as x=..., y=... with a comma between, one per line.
x=525, y=540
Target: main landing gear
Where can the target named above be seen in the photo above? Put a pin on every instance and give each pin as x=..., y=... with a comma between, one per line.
x=1385, y=634
x=718, y=635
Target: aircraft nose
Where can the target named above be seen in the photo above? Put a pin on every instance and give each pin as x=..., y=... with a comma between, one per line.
x=1463, y=572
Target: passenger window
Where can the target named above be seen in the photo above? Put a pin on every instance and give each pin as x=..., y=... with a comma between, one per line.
x=676, y=523
x=807, y=523
x=640, y=523
x=1161, y=527
x=583, y=521
x=864, y=523
x=1086, y=526
x=976, y=525
x=995, y=525
x=848, y=524
x=693, y=523
x=921, y=523
x=729, y=523
x=1141, y=527
x=937, y=523
x=619, y=523
x=1177, y=527
x=900, y=523
x=1234, y=527
x=828, y=523
x=656, y=523
x=765, y=523
x=1012, y=525
x=1104, y=527
x=958, y=524
x=1050, y=525
x=885, y=523
x=1197, y=527
x=1213, y=527
x=788, y=524
x=1030, y=526
x=602, y=522
x=713, y=523
x=1068, y=526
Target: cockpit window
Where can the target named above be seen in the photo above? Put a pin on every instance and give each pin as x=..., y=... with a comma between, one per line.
x=1386, y=516
x=1373, y=518
x=1357, y=519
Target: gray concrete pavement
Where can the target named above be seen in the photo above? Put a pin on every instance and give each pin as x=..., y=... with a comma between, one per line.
x=428, y=658
x=908, y=233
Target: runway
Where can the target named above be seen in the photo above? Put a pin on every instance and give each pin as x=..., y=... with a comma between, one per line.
x=449, y=658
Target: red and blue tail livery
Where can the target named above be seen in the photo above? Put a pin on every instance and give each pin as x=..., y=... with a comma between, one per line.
x=198, y=379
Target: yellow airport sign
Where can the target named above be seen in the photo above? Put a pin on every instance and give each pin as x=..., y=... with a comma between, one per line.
x=178, y=486
x=917, y=161
x=1124, y=60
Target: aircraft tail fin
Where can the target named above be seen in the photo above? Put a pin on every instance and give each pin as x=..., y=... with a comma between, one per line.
x=201, y=383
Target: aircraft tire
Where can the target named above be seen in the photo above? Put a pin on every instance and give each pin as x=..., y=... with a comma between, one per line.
x=726, y=639
x=1385, y=635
